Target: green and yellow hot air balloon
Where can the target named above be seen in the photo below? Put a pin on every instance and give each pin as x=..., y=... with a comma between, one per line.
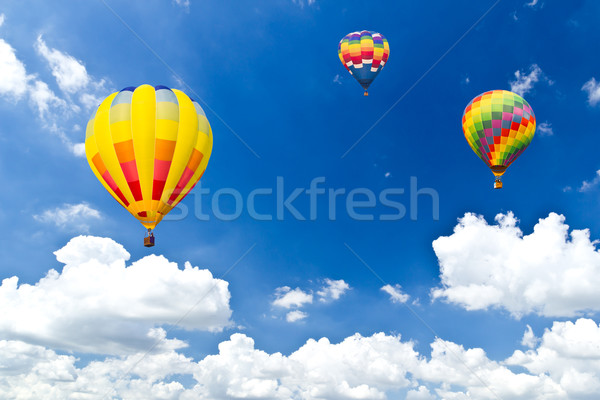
x=498, y=125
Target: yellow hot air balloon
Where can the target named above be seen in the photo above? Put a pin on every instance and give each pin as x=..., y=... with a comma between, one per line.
x=148, y=146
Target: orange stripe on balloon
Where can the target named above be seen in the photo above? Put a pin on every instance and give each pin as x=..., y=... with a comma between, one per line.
x=124, y=151
x=99, y=164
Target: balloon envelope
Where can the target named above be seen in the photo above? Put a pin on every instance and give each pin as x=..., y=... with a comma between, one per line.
x=498, y=125
x=148, y=146
x=364, y=54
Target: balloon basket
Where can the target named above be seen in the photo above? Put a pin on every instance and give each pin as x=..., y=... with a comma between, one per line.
x=498, y=184
x=149, y=240
x=366, y=93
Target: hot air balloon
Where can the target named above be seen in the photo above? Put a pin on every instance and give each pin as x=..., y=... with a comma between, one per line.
x=498, y=125
x=148, y=146
x=364, y=54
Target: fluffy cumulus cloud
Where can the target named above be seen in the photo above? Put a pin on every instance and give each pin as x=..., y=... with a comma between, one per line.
x=98, y=304
x=523, y=82
x=357, y=368
x=285, y=297
x=569, y=353
x=396, y=294
x=70, y=217
x=529, y=339
x=332, y=290
x=592, y=87
x=34, y=372
x=421, y=393
x=78, y=149
x=550, y=272
x=564, y=364
x=295, y=315
x=469, y=374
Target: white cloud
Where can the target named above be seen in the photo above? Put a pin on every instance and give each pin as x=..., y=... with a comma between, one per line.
x=34, y=372
x=548, y=272
x=97, y=304
x=15, y=83
x=301, y=3
x=529, y=339
x=74, y=307
x=79, y=149
x=332, y=290
x=69, y=72
x=395, y=292
x=72, y=77
x=358, y=367
x=532, y=3
x=55, y=113
x=287, y=298
x=295, y=315
x=14, y=80
x=545, y=129
x=75, y=217
x=563, y=364
x=387, y=174
x=589, y=185
x=524, y=82
x=422, y=393
x=183, y=3
x=336, y=79
x=469, y=374
x=42, y=98
x=569, y=353
x=90, y=101
x=593, y=90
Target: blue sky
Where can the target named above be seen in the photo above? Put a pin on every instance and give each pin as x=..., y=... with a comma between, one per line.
x=451, y=304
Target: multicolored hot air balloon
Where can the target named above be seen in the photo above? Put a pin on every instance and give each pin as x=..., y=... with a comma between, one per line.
x=498, y=125
x=148, y=146
x=364, y=54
